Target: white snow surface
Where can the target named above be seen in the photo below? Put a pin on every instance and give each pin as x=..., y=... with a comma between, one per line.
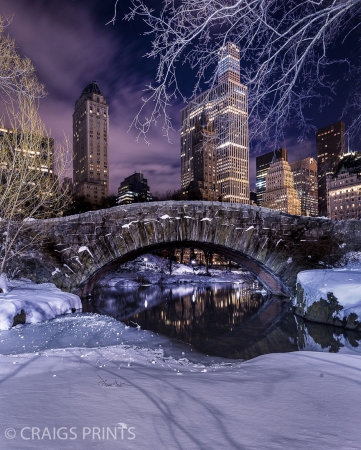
x=89, y=330
x=127, y=225
x=278, y=401
x=344, y=283
x=39, y=301
x=84, y=248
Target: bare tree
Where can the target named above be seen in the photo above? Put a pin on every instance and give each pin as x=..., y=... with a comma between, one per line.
x=30, y=168
x=283, y=48
x=17, y=74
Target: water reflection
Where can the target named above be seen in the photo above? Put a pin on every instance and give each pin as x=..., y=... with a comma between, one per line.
x=228, y=320
x=203, y=313
x=319, y=337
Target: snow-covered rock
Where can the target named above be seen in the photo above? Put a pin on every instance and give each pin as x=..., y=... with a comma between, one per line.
x=27, y=302
x=330, y=296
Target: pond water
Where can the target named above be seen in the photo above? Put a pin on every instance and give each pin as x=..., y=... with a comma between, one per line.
x=237, y=321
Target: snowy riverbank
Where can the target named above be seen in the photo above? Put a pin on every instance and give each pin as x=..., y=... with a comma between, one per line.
x=330, y=296
x=27, y=302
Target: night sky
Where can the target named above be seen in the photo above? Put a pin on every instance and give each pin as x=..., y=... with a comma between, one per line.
x=70, y=46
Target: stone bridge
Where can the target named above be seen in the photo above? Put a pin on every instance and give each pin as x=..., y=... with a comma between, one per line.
x=274, y=246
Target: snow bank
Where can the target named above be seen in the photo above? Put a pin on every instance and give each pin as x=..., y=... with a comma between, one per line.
x=34, y=303
x=88, y=330
x=330, y=296
x=279, y=401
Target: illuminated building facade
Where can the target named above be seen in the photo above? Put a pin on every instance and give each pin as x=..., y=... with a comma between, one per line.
x=134, y=189
x=263, y=163
x=280, y=193
x=331, y=144
x=204, y=184
x=344, y=188
x=305, y=182
x=90, y=146
x=39, y=150
x=224, y=141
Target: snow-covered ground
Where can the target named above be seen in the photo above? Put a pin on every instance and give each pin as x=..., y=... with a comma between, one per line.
x=34, y=302
x=123, y=397
x=91, y=331
x=97, y=383
x=88, y=381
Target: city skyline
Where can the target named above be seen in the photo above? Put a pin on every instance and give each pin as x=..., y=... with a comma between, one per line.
x=71, y=46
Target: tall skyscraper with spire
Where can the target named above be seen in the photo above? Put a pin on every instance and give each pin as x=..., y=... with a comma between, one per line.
x=222, y=113
x=90, y=145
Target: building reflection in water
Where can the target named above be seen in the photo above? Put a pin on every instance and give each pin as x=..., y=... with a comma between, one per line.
x=203, y=313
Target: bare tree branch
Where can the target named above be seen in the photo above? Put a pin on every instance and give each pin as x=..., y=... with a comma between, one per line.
x=284, y=54
x=17, y=74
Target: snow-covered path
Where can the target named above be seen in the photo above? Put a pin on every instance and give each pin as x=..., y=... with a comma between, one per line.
x=279, y=401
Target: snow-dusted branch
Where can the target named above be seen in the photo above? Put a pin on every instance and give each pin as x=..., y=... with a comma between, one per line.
x=283, y=51
x=112, y=21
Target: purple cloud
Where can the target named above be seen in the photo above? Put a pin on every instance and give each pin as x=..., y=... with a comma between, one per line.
x=70, y=47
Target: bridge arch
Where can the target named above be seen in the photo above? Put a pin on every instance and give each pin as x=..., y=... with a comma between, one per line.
x=274, y=246
x=263, y=274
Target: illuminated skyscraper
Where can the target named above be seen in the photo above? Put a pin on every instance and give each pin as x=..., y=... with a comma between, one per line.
x=224, y=143
x=204, y=184
x=263, y=163
x=280, y=193
x=305, y=177
x=90, y=145
x=331, y=144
